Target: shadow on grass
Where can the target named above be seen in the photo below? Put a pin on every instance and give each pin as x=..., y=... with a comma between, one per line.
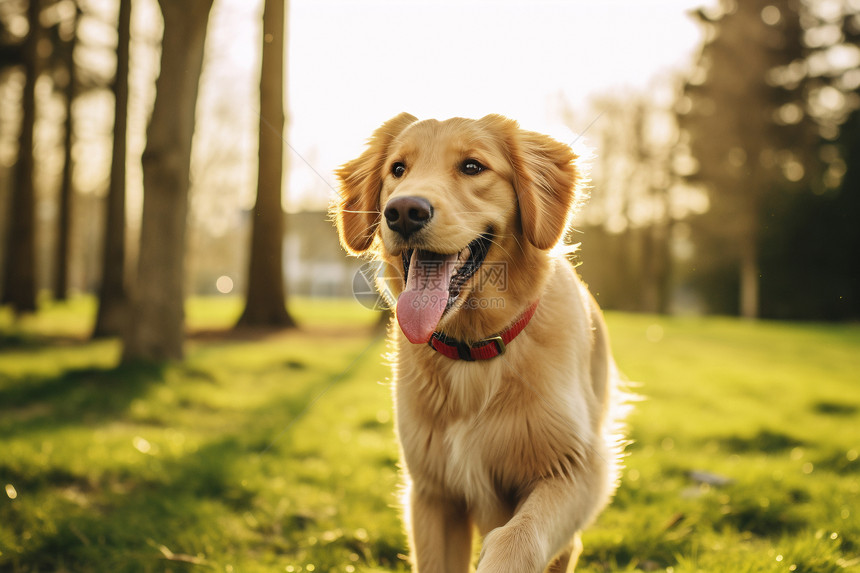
x=765, y=441
x=194, y=510
x=16, y=341
x=772, y=520
x=171, y=510
x=835, y=408
x=128, y=523
x=21, y=341
x=77, y=396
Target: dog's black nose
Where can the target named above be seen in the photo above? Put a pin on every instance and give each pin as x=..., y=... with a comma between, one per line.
x=407, y=215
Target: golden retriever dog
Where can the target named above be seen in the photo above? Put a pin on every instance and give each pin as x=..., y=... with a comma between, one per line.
x=503, y=380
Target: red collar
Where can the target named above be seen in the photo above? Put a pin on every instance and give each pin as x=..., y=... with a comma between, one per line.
x=484, y=349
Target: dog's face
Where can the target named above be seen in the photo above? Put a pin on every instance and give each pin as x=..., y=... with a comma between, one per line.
x=444, y=202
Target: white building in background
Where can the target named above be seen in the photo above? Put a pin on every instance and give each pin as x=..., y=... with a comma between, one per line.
x=314, y=262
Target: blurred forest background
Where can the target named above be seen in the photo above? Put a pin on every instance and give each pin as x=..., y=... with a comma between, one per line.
x=732, y=187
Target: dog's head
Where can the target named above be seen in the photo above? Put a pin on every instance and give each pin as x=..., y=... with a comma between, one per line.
x=443, y=201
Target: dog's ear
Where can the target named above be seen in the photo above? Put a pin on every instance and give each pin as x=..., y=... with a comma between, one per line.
x=546, y=181
x=357, y=210
x=545, y=178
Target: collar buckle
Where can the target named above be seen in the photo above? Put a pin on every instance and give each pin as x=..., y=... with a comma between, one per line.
x=499, y=341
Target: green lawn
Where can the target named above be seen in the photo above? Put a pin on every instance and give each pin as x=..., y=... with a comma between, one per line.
x=277, y=454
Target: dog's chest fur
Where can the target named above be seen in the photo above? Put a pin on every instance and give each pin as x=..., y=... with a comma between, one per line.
x=461, y=422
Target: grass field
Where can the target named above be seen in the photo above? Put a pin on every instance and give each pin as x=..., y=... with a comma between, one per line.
x=277, y=453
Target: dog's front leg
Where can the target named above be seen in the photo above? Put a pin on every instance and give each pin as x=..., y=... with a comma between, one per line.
x=544, y=525
x=441, y=535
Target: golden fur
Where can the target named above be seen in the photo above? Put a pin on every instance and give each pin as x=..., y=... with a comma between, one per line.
x=524, y=447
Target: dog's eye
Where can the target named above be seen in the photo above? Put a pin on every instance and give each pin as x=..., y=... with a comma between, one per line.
x=471, y=167
x=398, y=169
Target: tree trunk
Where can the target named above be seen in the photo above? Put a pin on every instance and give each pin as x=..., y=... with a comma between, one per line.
x=155, y=329
x=64, y=221
x=648, y=271
x=19, y=278
x=749, y=271
x=112, y=291
x=266, y=300
x=664, y=279
x=749, y=277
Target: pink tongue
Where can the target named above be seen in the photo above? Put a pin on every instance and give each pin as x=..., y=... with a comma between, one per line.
x=420, y=306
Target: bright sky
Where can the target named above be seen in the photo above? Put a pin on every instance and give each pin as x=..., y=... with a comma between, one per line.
x=354, y=64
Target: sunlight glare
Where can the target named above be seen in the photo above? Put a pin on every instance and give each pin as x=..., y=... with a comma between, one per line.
x=770, y=15
x=142, y=445
x=224, y=284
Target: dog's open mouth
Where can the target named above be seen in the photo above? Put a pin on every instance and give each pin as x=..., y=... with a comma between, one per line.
x=433, y=283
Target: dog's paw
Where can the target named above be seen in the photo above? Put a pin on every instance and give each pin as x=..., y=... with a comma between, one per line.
x=512, y=548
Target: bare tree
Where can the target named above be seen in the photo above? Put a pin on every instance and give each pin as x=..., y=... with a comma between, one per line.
x=112, y=292
x=19, y=280
x=155, y=329
x=748, y=133
x=631, y=211
x=265, y=302
x=64, y=222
